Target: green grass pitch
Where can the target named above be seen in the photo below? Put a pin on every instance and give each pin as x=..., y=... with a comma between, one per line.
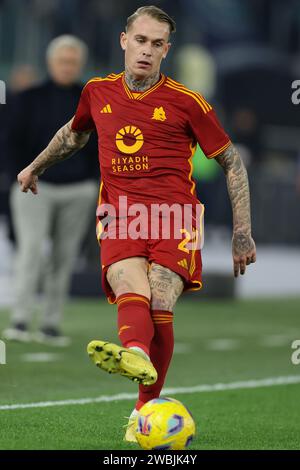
x=217, y=342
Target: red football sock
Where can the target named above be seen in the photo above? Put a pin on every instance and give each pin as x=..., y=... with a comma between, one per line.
x=134, y=321
x=161, y=351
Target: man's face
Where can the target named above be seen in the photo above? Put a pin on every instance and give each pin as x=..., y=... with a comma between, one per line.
x=65, y=65
x=145, y=45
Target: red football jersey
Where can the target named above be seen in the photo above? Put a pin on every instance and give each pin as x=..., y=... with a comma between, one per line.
x=147, y=140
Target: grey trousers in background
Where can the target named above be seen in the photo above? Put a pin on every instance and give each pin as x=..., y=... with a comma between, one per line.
x=61, y=214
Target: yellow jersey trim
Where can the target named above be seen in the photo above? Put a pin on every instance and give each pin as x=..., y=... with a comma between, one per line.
x=205, y=107
x=109, y=78
x=141, y=96
x=99, y=226
x=193, y=150
x=198, y=287
x=220, y=150
x=198, y=95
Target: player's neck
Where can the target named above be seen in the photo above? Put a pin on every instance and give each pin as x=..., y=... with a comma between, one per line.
x=140, y=85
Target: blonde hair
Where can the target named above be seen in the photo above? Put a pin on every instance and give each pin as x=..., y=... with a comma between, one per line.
x=153, y=12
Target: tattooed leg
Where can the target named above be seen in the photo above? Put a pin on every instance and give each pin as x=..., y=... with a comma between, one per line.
x=129, y=275
x=166, y=286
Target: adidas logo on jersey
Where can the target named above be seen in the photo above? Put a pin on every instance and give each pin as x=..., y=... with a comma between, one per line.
x=106, y=109
x=183, y=263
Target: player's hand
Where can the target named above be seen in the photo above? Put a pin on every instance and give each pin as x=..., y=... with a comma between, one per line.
x=243, y=252
x=28, y=180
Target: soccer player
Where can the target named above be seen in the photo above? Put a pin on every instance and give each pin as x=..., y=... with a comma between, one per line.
x=148, y=127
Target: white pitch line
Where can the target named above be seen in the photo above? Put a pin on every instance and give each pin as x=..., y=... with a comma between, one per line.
x=40, y=357
x=268, y=382
x=223, y=344
x=272, y=341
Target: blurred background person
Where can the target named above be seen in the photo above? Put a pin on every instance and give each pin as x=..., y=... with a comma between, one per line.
x=49, y=228
x=22, y=77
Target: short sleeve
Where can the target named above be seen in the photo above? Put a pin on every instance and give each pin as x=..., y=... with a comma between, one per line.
x=83, y=120
x=207, y=129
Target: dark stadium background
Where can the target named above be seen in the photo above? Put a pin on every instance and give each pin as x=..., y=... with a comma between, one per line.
x=244, y=57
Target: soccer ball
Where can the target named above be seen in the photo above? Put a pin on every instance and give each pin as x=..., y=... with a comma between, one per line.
x=164, y=423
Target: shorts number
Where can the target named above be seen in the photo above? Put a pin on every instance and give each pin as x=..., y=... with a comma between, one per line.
x=187, y=239
x=181, y=245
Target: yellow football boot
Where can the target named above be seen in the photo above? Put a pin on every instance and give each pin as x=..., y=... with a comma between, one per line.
x=115, y=359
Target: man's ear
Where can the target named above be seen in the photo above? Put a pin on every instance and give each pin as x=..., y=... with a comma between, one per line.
x=123, y=40
x=167, y=48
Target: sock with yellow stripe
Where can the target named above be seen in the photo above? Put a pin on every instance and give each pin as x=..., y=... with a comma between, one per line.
x=135, y=324
x=161, y=351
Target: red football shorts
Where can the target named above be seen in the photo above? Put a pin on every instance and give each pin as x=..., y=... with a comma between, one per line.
x=181, y=255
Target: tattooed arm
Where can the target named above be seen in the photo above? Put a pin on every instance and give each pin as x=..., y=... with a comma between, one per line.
x=64, y=144
x=243, y=246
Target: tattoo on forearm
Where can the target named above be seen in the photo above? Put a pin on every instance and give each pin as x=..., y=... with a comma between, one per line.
x=64, y=144
x=140, y=85
x=166, y=286
x=238, y=189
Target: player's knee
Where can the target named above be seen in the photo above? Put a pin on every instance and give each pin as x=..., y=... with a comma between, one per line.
x=131, y=287
x=128, y=278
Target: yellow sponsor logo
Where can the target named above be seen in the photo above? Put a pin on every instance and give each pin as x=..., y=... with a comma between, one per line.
x=106, y=109
x=132, y=133
x=159, y=114
x=130, y=163
x=183, y=263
